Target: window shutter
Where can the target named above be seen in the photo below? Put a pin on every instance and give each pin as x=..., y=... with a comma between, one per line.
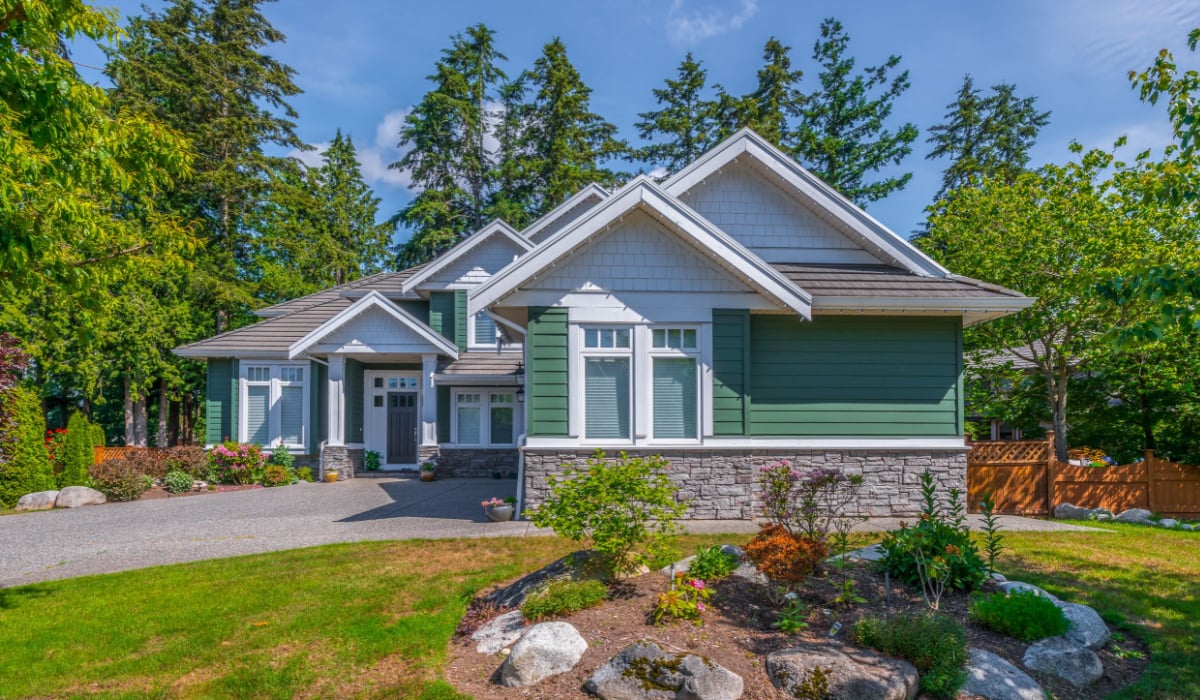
x=291, y=414
x=606, y=398
x=258, y=403
x=674, y=398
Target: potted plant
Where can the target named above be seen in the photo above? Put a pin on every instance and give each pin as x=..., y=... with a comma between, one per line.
x=331, y=475
x=428, y=470
x=372, y=460
x=499, y=511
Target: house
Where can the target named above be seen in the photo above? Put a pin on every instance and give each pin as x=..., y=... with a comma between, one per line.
x=740, y=312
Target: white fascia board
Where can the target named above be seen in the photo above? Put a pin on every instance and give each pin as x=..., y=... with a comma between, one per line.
x=192, y=353
x=592, y=190
x=496, y=226
x=374, y=300
x=722, y=249
x=1006, y=305
x=954, y=444
x=859, y=223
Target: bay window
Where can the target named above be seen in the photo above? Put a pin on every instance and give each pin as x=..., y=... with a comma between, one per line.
x=274, y=405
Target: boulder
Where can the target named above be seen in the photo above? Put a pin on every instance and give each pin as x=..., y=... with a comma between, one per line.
x=1189, y=528
x=747, y=570
x=576, y=565
x=40, y=500
x=546, y=649
x=998, y=577
x=1168, y=522
x=849, y=673
x=866, y=554
x=1067, y=511
x=1087, y=628
x=500, y=632
x=1060, y=657
x=75, y=496
x=643, y=670
x=992, y=678
x=681, y=566
x=1139, y=516
x=733, y=550
x=1022, y=587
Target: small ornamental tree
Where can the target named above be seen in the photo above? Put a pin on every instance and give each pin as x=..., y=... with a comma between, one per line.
x=624, y=509
x=24, y=463
x=75, y=455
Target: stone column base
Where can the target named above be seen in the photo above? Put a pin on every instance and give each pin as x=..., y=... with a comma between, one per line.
x=344, y=459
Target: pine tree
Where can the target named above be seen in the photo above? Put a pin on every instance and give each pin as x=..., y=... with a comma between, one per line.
x=349, y=208
x=686, y=120
x=512, y=198
x=985, y=136
x=774, y=102
x=76, y=453
x=841, y=136
x=25, y=467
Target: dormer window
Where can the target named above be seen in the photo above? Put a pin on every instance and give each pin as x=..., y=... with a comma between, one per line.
x=483, y=332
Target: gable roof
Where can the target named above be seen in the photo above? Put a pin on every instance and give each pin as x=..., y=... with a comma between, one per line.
x=373, y=300
x=496, y=227
x=543, y=227
x=391, y=283
x=269, y=338
x=642, y=193
x=850, y=219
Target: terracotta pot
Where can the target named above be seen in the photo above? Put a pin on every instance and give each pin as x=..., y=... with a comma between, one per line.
x=499, y=514
x=331, y=477
x=427, y=476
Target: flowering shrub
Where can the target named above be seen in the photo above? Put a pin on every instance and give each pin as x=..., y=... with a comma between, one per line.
x=783, y=557
x=233, y=463
x=806, y=502
x=493, y=502
x=683, y=600
x=54, y=442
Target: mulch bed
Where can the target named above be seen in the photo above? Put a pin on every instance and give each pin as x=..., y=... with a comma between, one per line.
x=737, y=634
x=157, y=492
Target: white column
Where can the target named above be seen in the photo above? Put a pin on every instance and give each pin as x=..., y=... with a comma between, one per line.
x=336, y=391
x=429, y=406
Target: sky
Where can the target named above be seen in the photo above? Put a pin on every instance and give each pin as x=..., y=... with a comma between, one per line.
x=363, y=63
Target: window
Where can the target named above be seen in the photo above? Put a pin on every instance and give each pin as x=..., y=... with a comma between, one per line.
x=484, y=331
x=484, y=418
x=674, y=338
x=275, y=405
x=606, y=338
x=674, y=397
x=607, y=375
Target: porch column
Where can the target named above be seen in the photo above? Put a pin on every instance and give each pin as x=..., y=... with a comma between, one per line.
x=429, y=405
x=337, y=401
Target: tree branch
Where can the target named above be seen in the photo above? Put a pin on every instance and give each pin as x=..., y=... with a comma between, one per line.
x=110, y=256
x=16, y=14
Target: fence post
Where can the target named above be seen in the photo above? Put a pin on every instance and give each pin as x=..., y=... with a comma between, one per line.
x=1149, y=455
x=1051, y=458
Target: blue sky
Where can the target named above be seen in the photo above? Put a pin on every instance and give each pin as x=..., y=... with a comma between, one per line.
x=362, y=64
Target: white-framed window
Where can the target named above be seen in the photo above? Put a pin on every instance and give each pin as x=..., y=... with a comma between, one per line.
x=484, y=418
x=674, y=383
x=607, y=383
x=482, y=331
x=275, y=405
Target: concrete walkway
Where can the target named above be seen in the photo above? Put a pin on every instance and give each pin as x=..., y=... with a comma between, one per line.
x=101, y=539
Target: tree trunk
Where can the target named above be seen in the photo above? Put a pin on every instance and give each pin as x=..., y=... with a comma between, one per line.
x=1058, y=406
x=141, y=437
x=1147, y=424
x=173, y=437
x=128, y=397
x=161, y=439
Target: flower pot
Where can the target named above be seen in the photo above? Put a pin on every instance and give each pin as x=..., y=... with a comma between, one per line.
x=331, y=477
x=499, y=514
x=427, y=476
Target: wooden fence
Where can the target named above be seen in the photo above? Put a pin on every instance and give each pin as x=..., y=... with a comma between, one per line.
x=1024, y=478
x=103, y=454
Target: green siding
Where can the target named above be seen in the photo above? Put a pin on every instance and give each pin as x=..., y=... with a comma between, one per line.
x=443, y=413
x=416, y=307
x=441, y=313
x=855, y=376
x=460, y=319
x=731, y=371
x=353, y=390
x=318, y=425
x=546, y=372
x=221, y=401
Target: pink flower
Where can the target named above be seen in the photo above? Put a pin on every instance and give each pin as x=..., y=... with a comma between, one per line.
x=697, y=584
x=701, y=607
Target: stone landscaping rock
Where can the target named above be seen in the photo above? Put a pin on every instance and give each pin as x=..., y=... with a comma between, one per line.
x=643, y=670
x=41, y=500
x=576, y=565
x=1022, y=587
x=1067, y=511
x=993, y=678
x=75, y=496
x=750, y=572
x=499, y=632
x=852, y=673
x=546, y=649
x=1168, y=522
x=1139, y=516
x=733, y=550
x=998, y=577
x=866, y=554
x=680, y=566
x=1087, y=627
x=1058, y=656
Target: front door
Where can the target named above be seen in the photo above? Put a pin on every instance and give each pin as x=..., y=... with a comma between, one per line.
x=401, y=427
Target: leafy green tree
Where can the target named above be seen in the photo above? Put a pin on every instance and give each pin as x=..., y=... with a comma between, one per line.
x=841, y=135
x=76, y=453
x=1163, y=79
x=775, y=100
x=985, y=136
x=25, y=466
x=686, y=120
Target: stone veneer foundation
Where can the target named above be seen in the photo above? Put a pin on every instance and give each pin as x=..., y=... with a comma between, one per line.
x=345, y=459
x=476, y=463
x=723, y=484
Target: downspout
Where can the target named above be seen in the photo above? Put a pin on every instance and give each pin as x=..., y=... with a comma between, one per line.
x=520, y=474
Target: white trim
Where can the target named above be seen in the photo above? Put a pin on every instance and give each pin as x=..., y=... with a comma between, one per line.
x=643, y=194
x=696, y=354
x=485, y=417
x=275, y=384
x=373, y=300
x=954, y=444
x=575, y=200
x=465, y=245
x=472, y=320
x=375, y=417
x=960, y=304
x=869, y=232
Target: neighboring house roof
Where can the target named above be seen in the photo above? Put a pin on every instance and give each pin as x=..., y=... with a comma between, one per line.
x=464, y=247
x=374, y=301
x=388, y=283
x=850, y=219
x=269, y=338
x=993, y=359
x=642, y=194
x=559, y=217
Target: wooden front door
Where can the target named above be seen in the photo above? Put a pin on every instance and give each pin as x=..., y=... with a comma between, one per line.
x=401, y=427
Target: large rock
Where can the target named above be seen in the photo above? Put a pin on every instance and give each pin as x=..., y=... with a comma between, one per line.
x=643, y=670
x=1022, y=587
x=1139, y=516
x=1087, y=627
x=1168, y=522
x=499, y=632
x=41, y=500
x=546, y=649
x=576, y=565
x=1068, y=511
x=850, y=673
x=993, y=678
x=75, y=496
x=1058, y=656
x=870, y=553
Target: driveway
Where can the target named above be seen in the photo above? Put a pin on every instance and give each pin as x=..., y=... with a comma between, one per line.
x=101, y=539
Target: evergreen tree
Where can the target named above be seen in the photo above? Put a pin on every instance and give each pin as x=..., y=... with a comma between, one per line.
x=25, y=465
x=841, y=135
x=76, y=452
x=774, y=102
x=512, y=200
x=686, y=120
x=985, y=136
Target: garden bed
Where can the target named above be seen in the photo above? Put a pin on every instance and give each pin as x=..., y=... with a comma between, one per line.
x=736, y=633
x=158, y=492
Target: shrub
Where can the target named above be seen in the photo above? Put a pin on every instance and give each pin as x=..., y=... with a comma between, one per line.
x=712, y=564
x=304, y=474
x=24, y=462
x=282, y=458
x=96, y=431
x=191, y=459
x=683, y=599
x=275, y=475
x=120, y=480
x=562, y=597
x=941, y=533
x=233, y=463
x=792, y=616
x=785, y=558
x=808, y=503
x=372, y=460
x=936, y=644
x=625, y=509
x=75, y=455
x=177, y=481
x=1026, y=615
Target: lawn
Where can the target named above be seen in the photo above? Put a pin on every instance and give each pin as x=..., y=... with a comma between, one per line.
x=373, y=619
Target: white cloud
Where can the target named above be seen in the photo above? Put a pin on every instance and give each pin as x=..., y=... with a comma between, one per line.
x=689, y=26
x=311, y=158
x=1113, y=37
x=385, y=150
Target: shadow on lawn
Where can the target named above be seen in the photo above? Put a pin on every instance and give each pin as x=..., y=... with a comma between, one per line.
x=11, y=597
